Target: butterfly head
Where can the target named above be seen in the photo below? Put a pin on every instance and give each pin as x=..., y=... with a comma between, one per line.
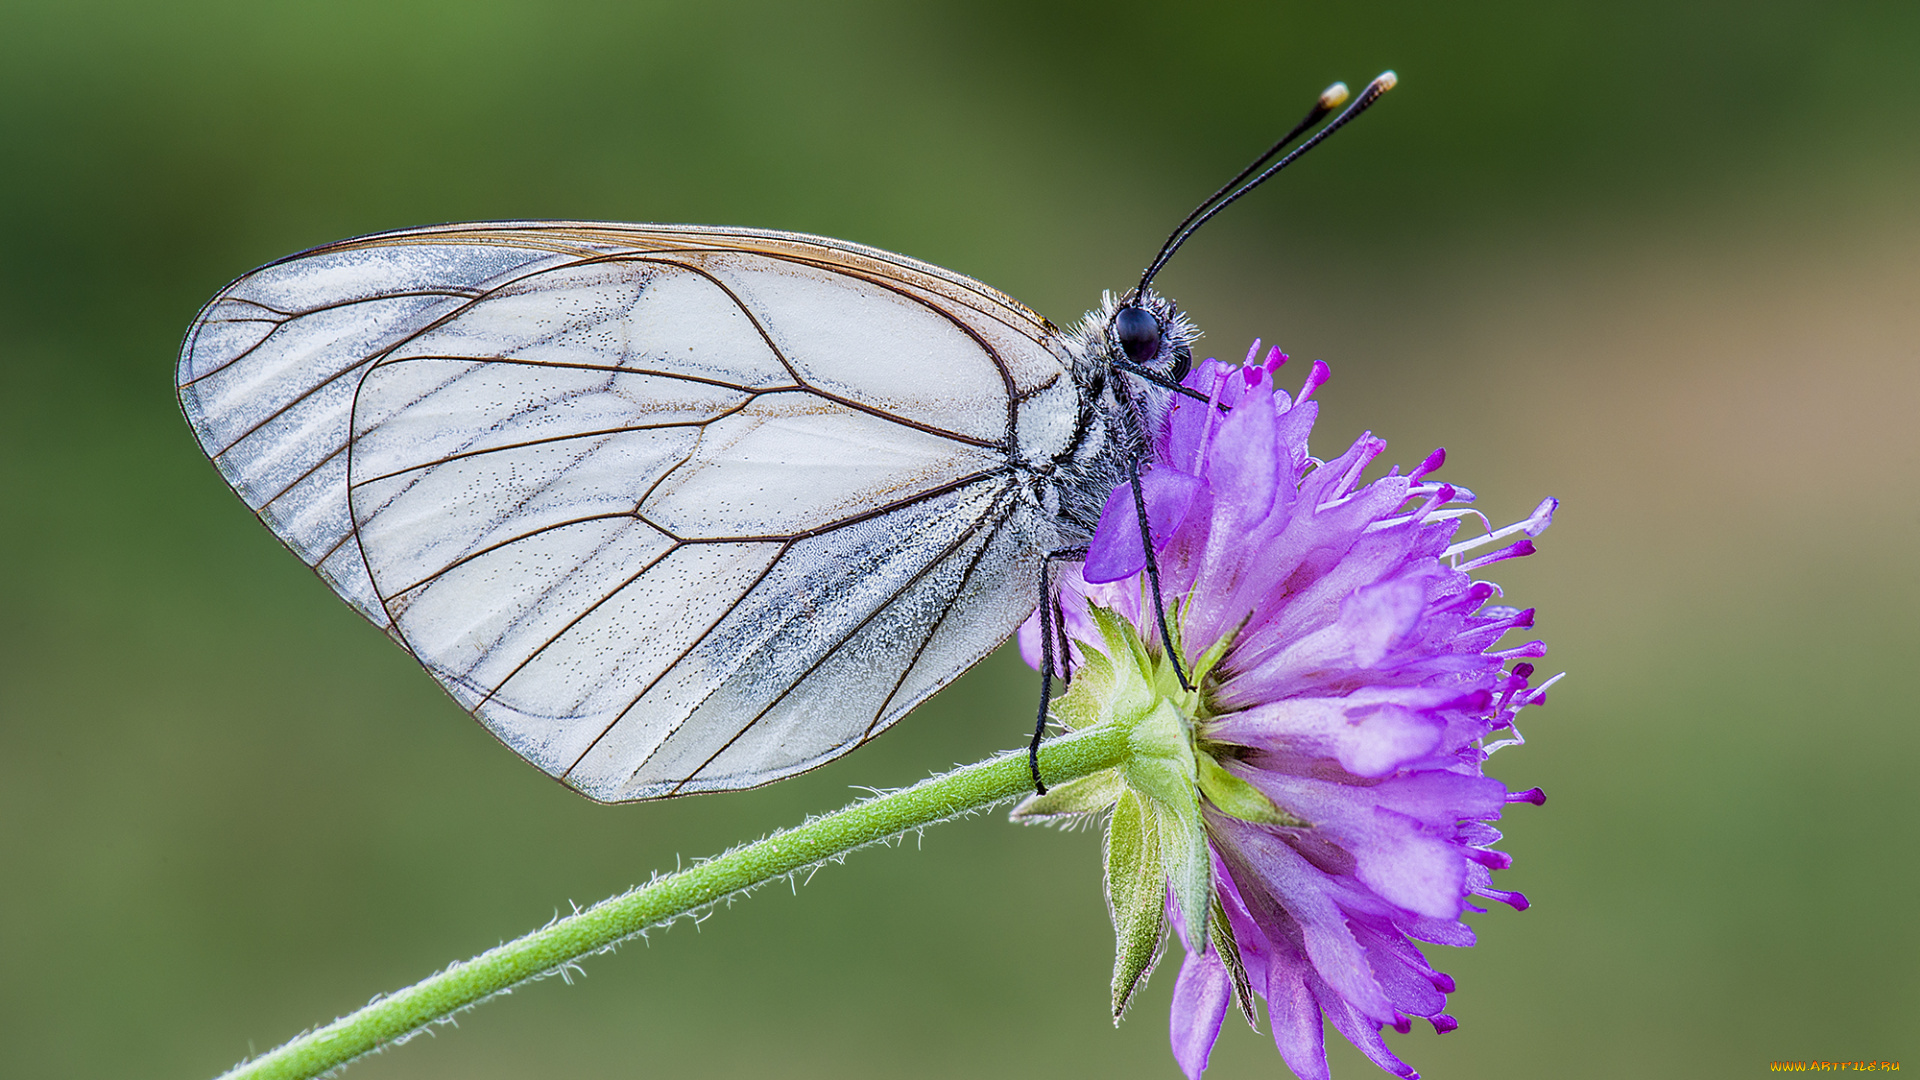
x=1143, y=334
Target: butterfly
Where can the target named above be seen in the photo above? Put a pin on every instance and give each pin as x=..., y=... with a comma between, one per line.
x=674, y=509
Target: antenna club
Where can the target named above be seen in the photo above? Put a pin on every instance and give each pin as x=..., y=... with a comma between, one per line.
x=1386, y=81
x=1334, y=96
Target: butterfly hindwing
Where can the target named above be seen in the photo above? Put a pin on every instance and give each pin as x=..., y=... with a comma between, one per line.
x=668, y=509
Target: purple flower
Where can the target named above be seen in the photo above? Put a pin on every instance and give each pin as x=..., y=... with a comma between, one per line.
x=1351, y=686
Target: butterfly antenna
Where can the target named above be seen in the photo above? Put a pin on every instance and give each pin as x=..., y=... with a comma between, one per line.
x=1330, y=99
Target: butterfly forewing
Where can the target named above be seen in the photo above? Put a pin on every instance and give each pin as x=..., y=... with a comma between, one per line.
x=668, y=509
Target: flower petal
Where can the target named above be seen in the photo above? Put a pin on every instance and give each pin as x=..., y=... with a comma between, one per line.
x=1295, y=1017
x=1363, y=1032
x=1115, y=551
x=1369, y=735
x=1410, y=869
x=1403, y=861
x=1290, y=898
x=1200, y=998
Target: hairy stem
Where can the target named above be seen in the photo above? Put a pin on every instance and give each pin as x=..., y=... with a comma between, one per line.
x=543, y=951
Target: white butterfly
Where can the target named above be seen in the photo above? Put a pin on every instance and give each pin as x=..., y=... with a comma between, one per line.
x=672, y=509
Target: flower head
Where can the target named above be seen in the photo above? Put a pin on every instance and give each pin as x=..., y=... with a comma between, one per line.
x=1346, y=686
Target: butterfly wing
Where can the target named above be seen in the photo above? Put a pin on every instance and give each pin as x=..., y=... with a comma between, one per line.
x=668, y=509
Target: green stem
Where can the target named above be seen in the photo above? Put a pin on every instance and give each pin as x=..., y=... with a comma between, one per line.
x=870, y=821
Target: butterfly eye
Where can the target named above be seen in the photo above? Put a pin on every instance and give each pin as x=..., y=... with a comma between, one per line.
x=1138, y=333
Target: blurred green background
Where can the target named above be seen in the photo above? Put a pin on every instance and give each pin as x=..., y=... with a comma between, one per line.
x=1662, y=261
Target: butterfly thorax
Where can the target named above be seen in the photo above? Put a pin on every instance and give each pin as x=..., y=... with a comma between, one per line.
x=1119, y=415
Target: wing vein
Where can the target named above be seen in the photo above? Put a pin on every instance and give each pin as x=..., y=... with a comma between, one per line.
x=571, y=623
x=934, y=628
x=528, y=535
x=827, y=652
x=289, y=317
x=610, y=369
x=377, y=356
x=621, y=430
x=682, y=655
x=839, y=523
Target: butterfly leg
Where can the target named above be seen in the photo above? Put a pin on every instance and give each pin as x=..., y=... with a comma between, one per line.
x=1153, y=575
x=1060, y=636
x=1158, y=379
x=1131, y=417
x=1053, y=632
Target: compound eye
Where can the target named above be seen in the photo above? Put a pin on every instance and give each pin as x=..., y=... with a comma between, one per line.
x=1138, y=333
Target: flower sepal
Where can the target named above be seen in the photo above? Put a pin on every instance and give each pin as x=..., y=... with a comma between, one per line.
x=1161, y=775
x=1236, y=798
x=1136, y=895
x=1156, y=841
x=1220, y=937
x=1071, y=802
